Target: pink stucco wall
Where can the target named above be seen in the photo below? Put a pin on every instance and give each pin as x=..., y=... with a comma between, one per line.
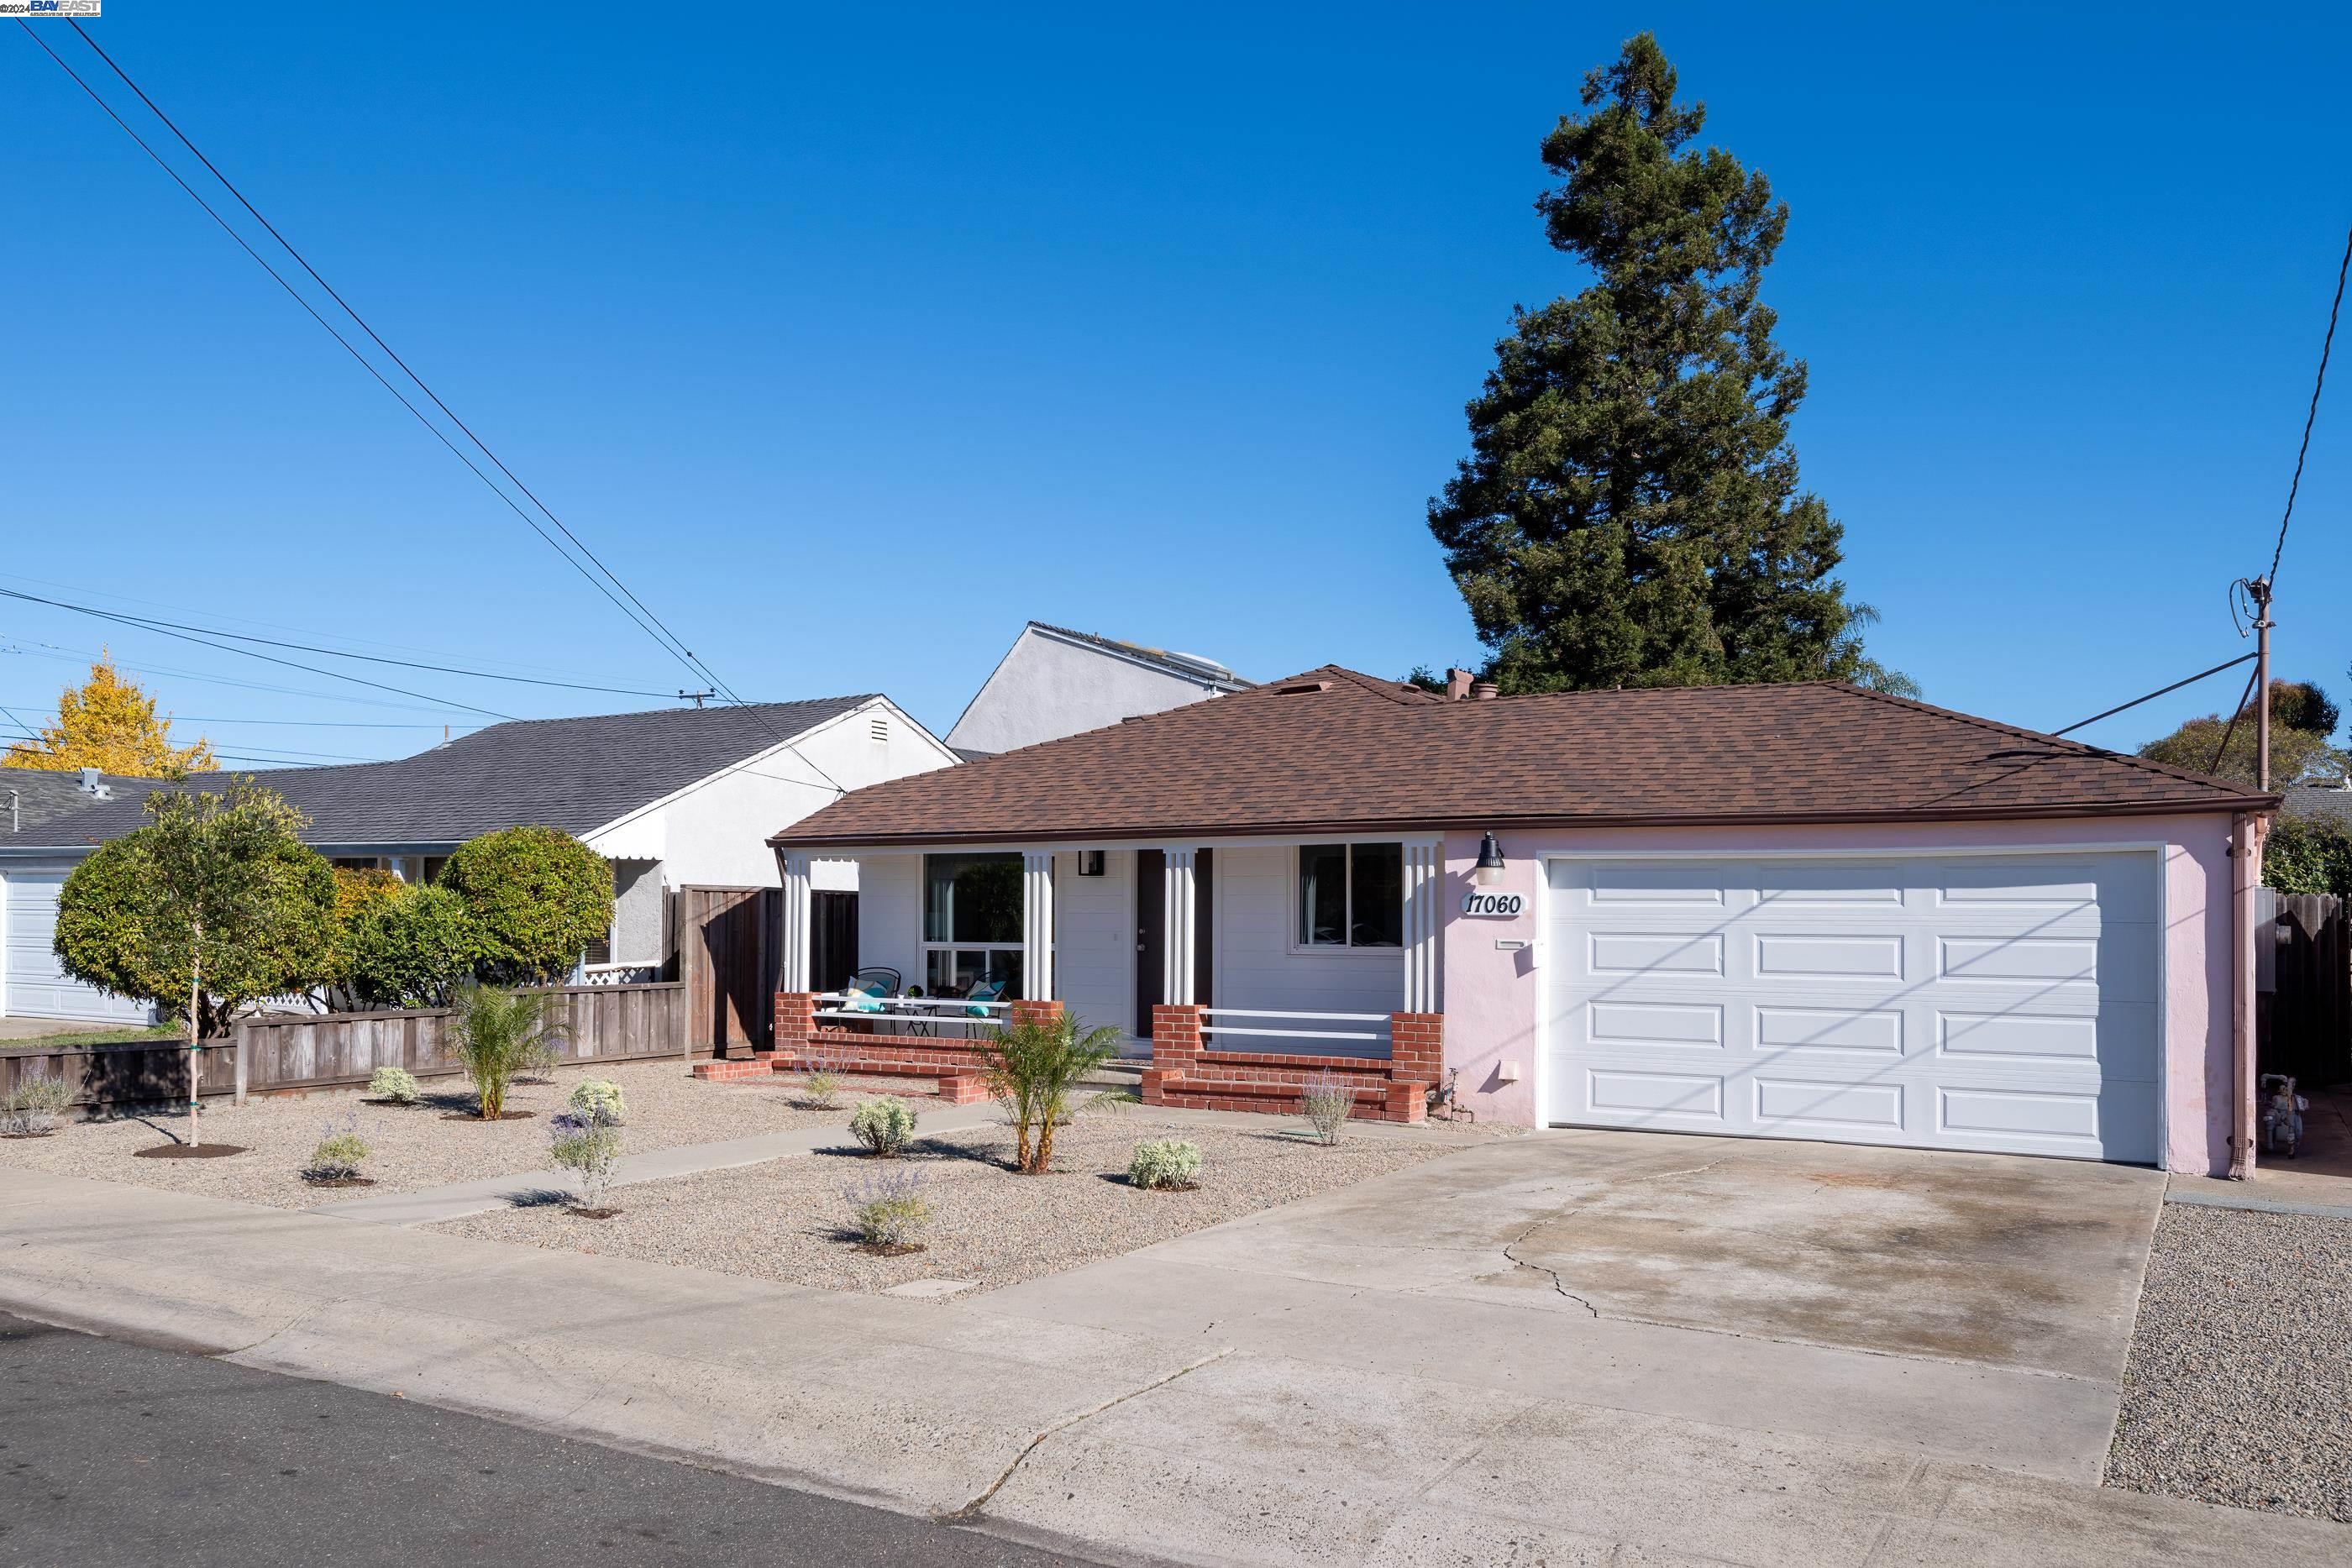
x=1492, y=998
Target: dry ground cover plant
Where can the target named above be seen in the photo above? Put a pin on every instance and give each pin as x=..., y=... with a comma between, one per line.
x=412, y=1147
x=787, y=1219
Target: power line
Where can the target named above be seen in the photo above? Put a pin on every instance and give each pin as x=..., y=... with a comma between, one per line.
x=659, y=629
x=324, y=326
x=2151, y=696
x=77, y=655
x=144, y=624
x=2232, y=727
x=2311, y=414
x=153, y=623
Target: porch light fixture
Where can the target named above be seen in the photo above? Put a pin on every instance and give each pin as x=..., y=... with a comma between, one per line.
x=1489, y=869
x=1090, y=862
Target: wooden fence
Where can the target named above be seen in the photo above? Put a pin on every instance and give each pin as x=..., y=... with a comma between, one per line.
x=276, y=1053
x=2303, y=1018
x=728, y=951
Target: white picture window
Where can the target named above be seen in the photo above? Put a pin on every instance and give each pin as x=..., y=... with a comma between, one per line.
x=1351, y=896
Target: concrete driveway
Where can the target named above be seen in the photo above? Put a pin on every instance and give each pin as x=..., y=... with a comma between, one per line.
x=1968, y=1307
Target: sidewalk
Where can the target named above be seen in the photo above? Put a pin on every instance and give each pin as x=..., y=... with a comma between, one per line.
x=1135, y=1445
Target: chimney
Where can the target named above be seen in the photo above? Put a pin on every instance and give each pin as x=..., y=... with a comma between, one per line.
x=89, y=780
x=1458, y=685
x=1486, y=691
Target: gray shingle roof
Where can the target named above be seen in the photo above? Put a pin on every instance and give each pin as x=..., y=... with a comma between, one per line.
x=43, y=796
x=571, y=773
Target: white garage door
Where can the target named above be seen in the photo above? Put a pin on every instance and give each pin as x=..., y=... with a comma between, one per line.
x=2003, y=1003
x=34, y=987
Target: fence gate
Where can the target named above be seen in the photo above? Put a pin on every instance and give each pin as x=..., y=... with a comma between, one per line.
x=2304, y=1009
x=729, y=955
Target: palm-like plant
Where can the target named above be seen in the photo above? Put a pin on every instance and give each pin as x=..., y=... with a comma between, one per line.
x=495, y=1035
x=1035, y=1067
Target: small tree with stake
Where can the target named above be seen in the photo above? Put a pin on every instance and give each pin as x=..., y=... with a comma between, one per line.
x=212, y=905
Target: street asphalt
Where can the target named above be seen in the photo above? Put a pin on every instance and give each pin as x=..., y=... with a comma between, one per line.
x=112, y=1453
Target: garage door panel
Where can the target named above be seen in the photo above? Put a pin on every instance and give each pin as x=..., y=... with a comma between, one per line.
x=1847, y=1106
x=1877, y=1030
x=1995, y=1003
x=1820, y=956
x=1640, y=1093
x=1653, y=1023
x=1652, y=954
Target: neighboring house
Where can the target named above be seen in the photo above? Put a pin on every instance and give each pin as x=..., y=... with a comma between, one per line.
x=1053, y=683
x=2318, y=800
x=1802, y=911
x=31, y=983
x=676, y=797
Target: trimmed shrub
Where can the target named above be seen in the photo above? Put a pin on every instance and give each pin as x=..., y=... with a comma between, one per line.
x=126, y=915
x=600, y=1097
x=536, y=898
x=337, y=1155
x=1325, y=1100
x=411, y=948
x=395, y=1084
x=34, y=1107
x=882, y=1125
x=1164, y=1163
x=888, y=1206
x=584, y=1142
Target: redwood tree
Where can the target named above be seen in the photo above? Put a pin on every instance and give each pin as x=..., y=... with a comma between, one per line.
x=1630, y=514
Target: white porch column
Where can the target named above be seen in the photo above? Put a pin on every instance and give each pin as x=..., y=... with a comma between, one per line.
x=793, y=972
x=1176, y=927
x=1425, y=919
x=1037, y=926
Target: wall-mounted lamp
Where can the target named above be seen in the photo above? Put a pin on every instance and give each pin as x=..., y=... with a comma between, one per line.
x=1489, y=869
x=1090, y=862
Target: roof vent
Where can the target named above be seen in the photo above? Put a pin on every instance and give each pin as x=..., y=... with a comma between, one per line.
x=1484, y=691
x=1296, y=688
x=1206, y=666
x=878, y=727
x=91, y=787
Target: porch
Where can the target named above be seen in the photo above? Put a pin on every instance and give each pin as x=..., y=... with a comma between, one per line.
x=1241, y=969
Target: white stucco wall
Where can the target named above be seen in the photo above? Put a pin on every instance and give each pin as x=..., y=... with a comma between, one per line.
x=714, y=833
x=890, y=914
x=1048, y=687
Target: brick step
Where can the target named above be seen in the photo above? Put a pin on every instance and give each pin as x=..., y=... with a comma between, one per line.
x=1380, y=1101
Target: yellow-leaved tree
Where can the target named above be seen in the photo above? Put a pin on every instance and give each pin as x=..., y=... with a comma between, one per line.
x=109, y=724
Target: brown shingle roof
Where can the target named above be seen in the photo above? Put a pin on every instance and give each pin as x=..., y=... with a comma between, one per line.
x=1333, y=750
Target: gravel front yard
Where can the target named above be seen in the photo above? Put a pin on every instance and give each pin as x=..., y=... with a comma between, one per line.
x=416, y=1147
x=788, y=1221
x=2239, y=1388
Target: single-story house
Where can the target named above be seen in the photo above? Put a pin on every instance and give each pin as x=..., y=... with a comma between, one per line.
x=1804, y=911
x=1054, y=681
x=31, y=983
x=675, y=798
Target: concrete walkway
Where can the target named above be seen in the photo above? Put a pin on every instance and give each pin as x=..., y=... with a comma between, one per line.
x=1222, y=1413
x=461, y=1198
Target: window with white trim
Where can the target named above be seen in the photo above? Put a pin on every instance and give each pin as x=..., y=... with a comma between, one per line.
x=972, y=923
x=1351, y=896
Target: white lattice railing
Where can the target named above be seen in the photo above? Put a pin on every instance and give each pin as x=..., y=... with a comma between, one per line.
x=1211, y=1028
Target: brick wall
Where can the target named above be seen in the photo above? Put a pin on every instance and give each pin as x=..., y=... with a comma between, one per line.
x=1417, y=1047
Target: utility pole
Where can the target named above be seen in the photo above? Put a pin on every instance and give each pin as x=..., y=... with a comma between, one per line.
x=2259, y=591
x=696, y=697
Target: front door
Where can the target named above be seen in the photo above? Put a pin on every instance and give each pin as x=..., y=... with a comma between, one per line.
x=1151, y=920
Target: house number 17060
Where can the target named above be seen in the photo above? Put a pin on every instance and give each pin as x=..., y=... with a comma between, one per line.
x=1493, y=904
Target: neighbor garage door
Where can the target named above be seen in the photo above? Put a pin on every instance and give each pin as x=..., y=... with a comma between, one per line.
x=1965, y=1001
x=36, y=986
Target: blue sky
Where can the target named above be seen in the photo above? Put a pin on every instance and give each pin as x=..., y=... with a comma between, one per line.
x=852, y=338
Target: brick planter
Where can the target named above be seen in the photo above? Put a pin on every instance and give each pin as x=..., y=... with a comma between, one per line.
x=1188, y=1074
